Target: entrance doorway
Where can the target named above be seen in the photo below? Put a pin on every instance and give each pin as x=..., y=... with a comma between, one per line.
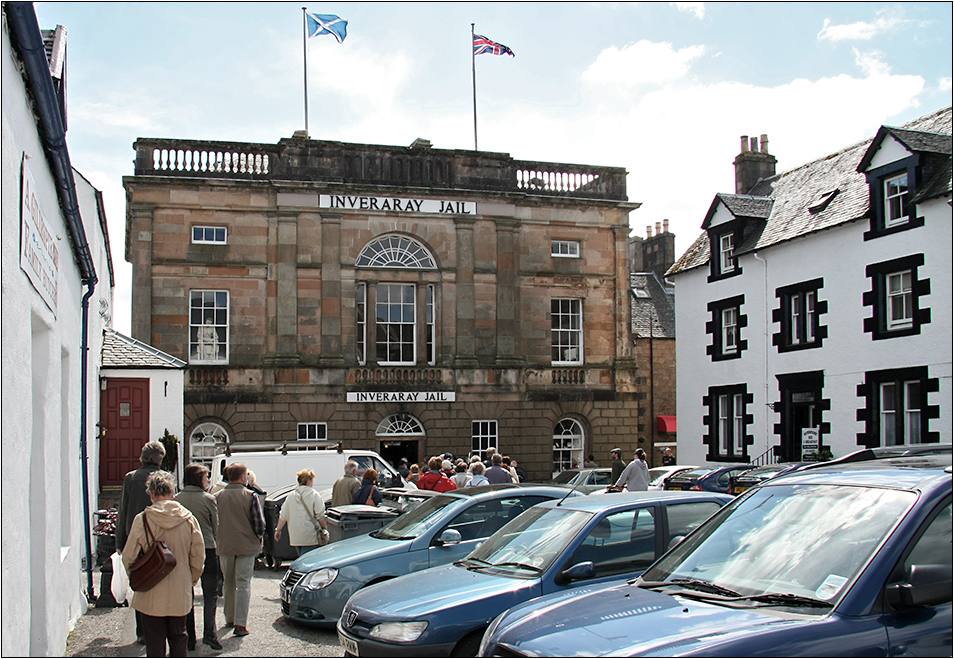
x=801, y=407
x=124, y=414
x=393, y=450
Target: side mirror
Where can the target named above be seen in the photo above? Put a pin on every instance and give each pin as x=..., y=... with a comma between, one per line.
x=449, y=537
x=926, y=585
x=675, y=540
x=578, y=572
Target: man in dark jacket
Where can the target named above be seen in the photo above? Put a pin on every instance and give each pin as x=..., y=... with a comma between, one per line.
x=618, y=464
x=135, y=499
x=497, y=473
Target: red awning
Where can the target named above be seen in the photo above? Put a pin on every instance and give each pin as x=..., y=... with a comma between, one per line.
x=666, y=423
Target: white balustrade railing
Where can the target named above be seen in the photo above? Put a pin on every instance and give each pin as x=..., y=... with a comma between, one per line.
x=209, y=162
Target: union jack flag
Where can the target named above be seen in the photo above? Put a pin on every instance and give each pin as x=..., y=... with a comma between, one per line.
x=319, y=24
x=484, y=45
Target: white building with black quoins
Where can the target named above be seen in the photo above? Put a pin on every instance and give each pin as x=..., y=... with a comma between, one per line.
x=817, y=302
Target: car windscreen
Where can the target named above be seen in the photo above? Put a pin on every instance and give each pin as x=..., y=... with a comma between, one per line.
x=693, y=473
x=808, y=541
x=565, y=477
x=657, y=474
x=528, y=545
x=418, y=520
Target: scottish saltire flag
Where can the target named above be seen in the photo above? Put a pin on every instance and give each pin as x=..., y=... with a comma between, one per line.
x=484, y=45
x=319, y=24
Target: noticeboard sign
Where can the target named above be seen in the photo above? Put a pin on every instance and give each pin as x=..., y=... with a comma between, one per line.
x=39, y=254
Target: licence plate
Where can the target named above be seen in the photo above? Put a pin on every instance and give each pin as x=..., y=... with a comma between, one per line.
x=351, y=647
x=285, y=594
x=739, y=489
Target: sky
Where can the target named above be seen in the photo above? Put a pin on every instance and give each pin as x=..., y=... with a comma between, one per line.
x=662, y=89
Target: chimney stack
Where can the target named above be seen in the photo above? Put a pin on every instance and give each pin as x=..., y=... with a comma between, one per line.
x=649, y=232
x=665, y=226
x=754, y=163
x=657, y=228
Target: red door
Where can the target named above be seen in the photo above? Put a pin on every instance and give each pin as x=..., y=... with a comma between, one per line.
x=124, y=413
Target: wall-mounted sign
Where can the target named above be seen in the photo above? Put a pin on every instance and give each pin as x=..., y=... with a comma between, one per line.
x=402, y=396
x=39, y=254
x=358, y=202
x=810, y=444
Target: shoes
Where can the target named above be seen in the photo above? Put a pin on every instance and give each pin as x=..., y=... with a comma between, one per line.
x=191, y=646
x=229, y=624
x=212, y=643
x=240, y=631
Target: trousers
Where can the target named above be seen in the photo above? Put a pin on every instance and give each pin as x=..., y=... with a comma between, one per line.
x=210, y=577
x=157, y=631
x=237, y=587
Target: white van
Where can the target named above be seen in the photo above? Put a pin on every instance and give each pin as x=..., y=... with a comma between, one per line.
x=277, y=467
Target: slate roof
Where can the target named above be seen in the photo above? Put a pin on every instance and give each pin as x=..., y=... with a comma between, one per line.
x=804, y=200
x=741, y=205
x=121, y=351
x=653, y=310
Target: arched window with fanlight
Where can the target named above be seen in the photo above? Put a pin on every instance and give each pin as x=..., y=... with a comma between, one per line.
x=400, y=425
x=206, y=441
x=568, y=440
x=395, y=311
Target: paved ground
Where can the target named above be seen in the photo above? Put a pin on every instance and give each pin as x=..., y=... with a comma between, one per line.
x=111, y=632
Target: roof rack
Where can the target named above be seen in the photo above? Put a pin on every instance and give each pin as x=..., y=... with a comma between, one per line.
x=285, y=447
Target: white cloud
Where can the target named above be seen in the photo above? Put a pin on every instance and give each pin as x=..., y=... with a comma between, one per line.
x=944, y=84
x=871, y=63
x=697, y=8
x=644, y=62
x=859, y=31
x=131, y=113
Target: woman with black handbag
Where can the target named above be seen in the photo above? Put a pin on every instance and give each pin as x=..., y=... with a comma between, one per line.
x=165, y=605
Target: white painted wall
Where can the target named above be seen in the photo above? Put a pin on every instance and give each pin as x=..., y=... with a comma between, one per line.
x=838, y=255
x=43, y=530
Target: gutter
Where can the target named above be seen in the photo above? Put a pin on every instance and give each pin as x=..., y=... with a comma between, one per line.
x=28, y=42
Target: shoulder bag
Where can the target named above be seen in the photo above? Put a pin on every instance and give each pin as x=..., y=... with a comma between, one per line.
x=322, y=537
x=153, y=564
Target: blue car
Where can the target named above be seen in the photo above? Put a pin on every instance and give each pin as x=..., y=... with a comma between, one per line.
x=849, y=560
x=707, y=479
x=442, y=529
x=550, y=548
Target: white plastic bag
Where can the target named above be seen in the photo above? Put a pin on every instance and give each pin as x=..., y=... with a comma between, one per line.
x=120, y=582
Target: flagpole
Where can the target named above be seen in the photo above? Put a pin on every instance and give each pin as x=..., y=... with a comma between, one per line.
x=473, y=71
x=304, y=42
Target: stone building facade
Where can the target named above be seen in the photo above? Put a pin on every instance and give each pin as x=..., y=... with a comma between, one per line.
x=408, y=300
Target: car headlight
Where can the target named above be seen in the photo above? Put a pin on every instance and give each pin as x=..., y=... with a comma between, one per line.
x=401, y=632
x=319, y=578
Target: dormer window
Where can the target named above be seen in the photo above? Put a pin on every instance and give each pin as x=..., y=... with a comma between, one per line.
x=726, y=246
x=895, y=192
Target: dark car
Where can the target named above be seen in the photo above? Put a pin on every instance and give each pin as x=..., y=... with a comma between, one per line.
x=844, y=560
x=439, y=530
x=707, y=479
x=748, y=479
x=552, y=547
x=885, y=452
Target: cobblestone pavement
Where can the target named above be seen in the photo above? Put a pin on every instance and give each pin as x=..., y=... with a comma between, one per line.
x=111, y=632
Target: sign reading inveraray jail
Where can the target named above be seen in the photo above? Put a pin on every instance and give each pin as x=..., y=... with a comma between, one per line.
x=39, y=255
x=402, y=396
x=358, y=202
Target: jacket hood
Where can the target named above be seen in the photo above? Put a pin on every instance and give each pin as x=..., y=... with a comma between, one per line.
x=167, y=514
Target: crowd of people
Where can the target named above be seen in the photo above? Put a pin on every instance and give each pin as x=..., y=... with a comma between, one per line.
x=216, y=535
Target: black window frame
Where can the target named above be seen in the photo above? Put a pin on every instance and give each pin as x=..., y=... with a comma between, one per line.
x=876, y=179
x=782, y=314
x=716, y=273
x=712, y=438
x=870, y=413
x=877, y=297
x=714, y=328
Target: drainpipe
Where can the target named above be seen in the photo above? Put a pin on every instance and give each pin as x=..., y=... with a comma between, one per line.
x=28, y=42
x=765, y=347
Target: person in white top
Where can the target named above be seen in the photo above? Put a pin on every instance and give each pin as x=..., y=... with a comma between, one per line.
x=635, y=478
x=304, y=513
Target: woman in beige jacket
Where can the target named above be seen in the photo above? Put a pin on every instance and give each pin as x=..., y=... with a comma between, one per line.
x=164, y=608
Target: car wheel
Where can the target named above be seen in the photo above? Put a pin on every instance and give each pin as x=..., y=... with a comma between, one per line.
x=468, y=646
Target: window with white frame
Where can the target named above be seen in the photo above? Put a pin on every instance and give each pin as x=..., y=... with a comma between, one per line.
x=566, y=325
x=568, y=440
x=361, y=319
x=312, y=431
x=799, y=314
x=565, y=249
x=727, y=422
x=206, y=441
x=395, y=323
x=899, y=306
x=901, y=405
x=483, y=436
x=895, y=192
x=402, y=327
x=202, y=235
x=730, y=330
x=208, y=327
x=726, y=249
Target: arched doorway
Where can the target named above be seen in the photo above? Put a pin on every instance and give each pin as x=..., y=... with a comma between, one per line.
x=399, y=436
x=568, y=442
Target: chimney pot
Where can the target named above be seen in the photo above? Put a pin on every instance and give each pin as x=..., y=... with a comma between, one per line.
x=764, y=145
x=658, y=226
x=649, y=232
x=754, y=143
x=745, y=143
x=665, y=226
